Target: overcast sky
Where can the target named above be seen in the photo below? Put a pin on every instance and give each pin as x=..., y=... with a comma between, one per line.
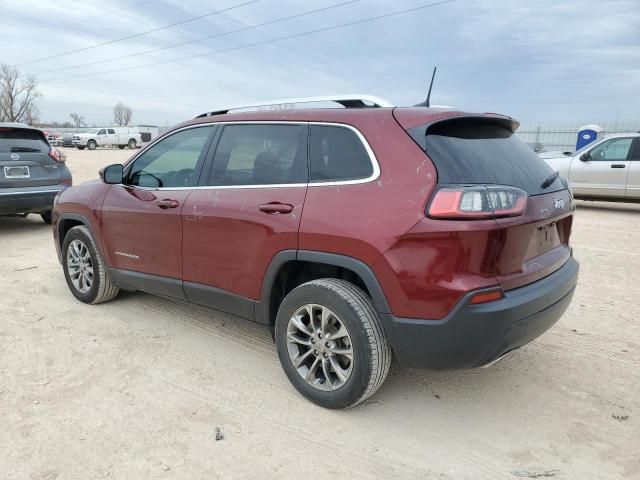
x=542, y=60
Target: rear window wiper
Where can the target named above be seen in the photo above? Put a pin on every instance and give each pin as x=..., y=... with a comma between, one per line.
x=25, y=149
x=550, y=179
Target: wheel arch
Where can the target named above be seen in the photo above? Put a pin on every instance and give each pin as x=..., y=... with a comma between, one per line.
x=67, y=221
x=289, y=260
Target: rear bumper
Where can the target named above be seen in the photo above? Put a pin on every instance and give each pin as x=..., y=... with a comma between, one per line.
x=28, y=200
x=475, y=335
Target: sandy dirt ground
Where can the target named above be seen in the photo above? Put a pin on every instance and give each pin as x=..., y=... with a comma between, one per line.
x=134, y=389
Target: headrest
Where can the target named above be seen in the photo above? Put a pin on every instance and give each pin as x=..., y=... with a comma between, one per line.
x=267, y=169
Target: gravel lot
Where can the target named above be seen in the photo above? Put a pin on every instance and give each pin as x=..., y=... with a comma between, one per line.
x=135, y=389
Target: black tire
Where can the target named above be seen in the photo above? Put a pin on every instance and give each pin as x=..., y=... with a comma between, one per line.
x=80, y=148
x=102, y=289
x=132, y=143
x=91, y=145
x=46, y=217
x=371, y=351
x=121, y=147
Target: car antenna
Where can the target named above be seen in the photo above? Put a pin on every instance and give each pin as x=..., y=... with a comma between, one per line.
x=427, y=102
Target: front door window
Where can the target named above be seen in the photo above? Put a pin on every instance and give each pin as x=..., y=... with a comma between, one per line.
x=172, y=162
x=615, y=150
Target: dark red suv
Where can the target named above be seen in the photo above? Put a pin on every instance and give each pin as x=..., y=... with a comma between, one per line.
x=352, y=232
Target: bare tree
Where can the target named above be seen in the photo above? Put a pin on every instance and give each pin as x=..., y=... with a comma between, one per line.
x=78, y=120
x=55, y=124
x=122, y=114
x=31, y=115
x=18, y=96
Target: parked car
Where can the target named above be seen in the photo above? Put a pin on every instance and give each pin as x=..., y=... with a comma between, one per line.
x=32, y=172
x=352, y=232
x=554, y=154
x=608, y=169
x=54, y=139
x=116, y=137
x=66, y=140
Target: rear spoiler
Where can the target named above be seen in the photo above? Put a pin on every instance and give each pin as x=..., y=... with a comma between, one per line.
x=419, y=133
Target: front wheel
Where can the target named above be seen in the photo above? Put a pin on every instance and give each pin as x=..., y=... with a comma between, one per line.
x=79, y=147
x=331, y=343
x=92, y=145
x=84, y=269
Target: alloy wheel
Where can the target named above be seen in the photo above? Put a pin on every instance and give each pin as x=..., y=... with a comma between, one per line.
x=320, y=347
x=80, y=266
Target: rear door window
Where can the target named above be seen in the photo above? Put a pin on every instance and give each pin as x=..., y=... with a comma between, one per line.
x=265, y=154
x=477, y=151
x=337, y=154
x=18, y=140
x=635, y=150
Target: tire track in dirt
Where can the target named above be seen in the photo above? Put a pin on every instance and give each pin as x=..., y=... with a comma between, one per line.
x=235, y=330
x=568, y=342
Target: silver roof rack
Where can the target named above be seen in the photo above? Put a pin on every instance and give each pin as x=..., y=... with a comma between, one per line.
x=347, y=101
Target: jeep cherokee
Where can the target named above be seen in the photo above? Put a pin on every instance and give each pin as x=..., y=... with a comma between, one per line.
x=353, y=232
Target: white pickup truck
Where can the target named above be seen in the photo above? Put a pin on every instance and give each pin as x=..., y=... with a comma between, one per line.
x=607, y=169
x=100, y=137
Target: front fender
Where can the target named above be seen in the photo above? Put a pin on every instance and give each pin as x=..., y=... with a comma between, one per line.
x=80, y=204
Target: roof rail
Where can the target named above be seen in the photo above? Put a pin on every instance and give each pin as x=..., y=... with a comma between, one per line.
x=347, y=101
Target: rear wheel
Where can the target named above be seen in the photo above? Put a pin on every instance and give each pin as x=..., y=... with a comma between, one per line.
x=46, y=217
x=132, y=143
x=80, y=147
x=84, y=268
x=121, y=147
x=331, y=343
x=91, y=145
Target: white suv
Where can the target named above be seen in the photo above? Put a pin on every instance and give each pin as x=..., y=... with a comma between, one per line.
x=608, y=169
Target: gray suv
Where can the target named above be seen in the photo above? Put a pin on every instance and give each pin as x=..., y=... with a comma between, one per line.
x=32, y=172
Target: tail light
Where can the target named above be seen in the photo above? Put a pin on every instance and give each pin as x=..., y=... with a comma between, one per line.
x=477, y=202
x=57, y=155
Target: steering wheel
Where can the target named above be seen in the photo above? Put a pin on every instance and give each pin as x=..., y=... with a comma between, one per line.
x=181, y=178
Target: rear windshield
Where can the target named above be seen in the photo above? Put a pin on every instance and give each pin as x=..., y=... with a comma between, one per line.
x=17, y=140
x=473, y=151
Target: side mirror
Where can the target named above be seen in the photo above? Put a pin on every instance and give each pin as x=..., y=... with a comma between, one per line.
x=112, y=174
x=585, y=157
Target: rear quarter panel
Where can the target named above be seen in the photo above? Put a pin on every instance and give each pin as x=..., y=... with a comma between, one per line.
x=364, y=220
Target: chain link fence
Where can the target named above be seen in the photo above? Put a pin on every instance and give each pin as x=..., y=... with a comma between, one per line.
x=563, y=137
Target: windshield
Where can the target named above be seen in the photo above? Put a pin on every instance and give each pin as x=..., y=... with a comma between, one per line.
x=475, y=151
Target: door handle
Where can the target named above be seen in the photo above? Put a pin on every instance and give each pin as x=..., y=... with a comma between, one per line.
x=275, y=208
x=618, y=165
x=167, y=203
